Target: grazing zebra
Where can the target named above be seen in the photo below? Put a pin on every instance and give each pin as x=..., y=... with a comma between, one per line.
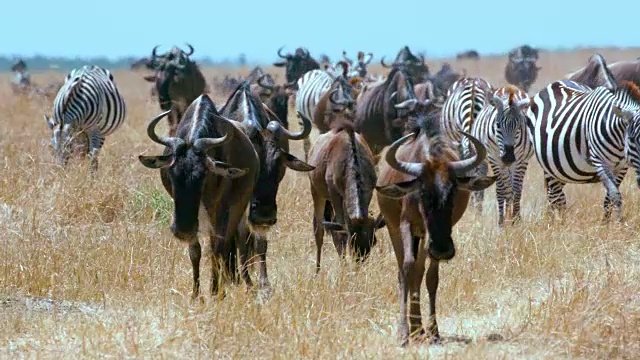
x=584, y=135
x=462, y=96
x=87, y=104
x=312, y=102
x=502, y=128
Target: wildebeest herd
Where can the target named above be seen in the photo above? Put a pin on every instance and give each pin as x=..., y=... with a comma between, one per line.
x=422, y=142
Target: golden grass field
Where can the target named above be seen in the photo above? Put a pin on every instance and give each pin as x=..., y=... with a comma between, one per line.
x=89, y=269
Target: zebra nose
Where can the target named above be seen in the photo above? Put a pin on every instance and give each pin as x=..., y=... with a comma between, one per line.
x=509, y=157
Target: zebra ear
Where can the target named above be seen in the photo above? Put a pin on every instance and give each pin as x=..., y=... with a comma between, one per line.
x=49, y=121
x=625, y=113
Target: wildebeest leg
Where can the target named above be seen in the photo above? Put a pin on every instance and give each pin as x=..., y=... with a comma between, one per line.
x=432, y=281
x=339, y=237
x=517, y=177
x=396, y=242
x=261, y=250
x=503, y=186
x=96, y=140
x=195, y=252
x=415, y=282
x=318, y=228
x=245, y=239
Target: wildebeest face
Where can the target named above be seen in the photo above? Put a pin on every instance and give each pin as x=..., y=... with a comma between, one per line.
x=296, y=65
x=264, y=209
x=434, y=188
x=186, y=166
x=361, y=233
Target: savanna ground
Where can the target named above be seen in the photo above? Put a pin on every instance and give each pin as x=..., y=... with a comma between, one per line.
x=90, y=269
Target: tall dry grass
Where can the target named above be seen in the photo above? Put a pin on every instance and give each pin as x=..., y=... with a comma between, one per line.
x=89, y=268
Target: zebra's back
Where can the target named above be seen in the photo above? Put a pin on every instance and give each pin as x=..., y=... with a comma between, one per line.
x=90, y=100
x=311, y=86
x=565, y=117
x=457, y=113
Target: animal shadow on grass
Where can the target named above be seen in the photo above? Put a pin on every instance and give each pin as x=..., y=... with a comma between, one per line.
x=459, y=339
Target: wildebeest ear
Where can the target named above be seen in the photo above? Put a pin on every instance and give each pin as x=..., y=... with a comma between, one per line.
x=332, y=226
x=296, y=164
x=150, y=78
x=400, y=189
x=476, y=183
x=156, y=162
x=225, y=170
x=280, y=63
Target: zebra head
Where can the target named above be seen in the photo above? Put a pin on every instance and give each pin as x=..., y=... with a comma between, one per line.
x=66, y=140
x=510, y=123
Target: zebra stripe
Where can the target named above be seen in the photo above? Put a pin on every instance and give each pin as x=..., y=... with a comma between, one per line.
x=580, y=138
x=502, y=127
x=89, y=103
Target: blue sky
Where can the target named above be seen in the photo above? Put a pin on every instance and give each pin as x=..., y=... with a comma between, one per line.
x=224, y=29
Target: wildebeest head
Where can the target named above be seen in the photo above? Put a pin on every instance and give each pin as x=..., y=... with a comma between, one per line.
x=276, y=97
x=170, y=68
x=416, y=67
x=522, y=69
x=187, y=162
x=297, y=64
x=437, y=180
x=511, y=105
x=271, y=142
x=19, y=66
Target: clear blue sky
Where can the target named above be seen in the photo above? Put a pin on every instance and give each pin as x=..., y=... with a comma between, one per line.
x=224, y=29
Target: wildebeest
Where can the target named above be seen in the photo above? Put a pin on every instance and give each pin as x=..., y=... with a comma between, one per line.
x=416, y=67
x=423, y=190
x=178, y=82
x=469, y=54
x=343, y=181
x=275, y=96
x=522, y=69
x=297, y=64
x=211, y=167
x=622, y=71
x=436, y=86
x=270, y=140
x=382, y=110
x=360, y=69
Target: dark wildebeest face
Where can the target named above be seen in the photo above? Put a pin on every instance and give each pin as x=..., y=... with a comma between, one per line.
x=509, y=122
x=416, y=67
x=270, y=141
x=296, y=65
x=363, y=232
x=435, y=186
x=169, y=68
x=187, y=165
x=276, y=97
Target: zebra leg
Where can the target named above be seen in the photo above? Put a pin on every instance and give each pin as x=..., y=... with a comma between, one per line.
x=555, y=195
x=96, y=140
x=613, y=198
x=502, y=184
x=517, y=177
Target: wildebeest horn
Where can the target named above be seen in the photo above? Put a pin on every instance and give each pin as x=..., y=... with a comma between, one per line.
x=190, y=49
x=276, y=126
x=461, y=167
x=204, y=144
x=422, y=60
x=410, y=168
x=166, y=141
x=280, y=53
x=383, y=64
x=154, y=53
x=407, y=104
x=268, y=87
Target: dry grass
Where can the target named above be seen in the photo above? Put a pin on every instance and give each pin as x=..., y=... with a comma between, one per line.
x=89, y=269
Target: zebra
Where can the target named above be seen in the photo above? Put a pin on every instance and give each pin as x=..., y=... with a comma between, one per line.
x=502, y=128
x=462, y=96
x=312, y=102
x=586, y=135
x=88, y=104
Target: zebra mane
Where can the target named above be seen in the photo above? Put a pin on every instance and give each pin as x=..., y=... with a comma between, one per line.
x=632, y=89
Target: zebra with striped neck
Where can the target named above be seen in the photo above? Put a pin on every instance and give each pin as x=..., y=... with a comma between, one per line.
x=465, y=99
x=587, y=135
x=502, y=128
x=88, y=105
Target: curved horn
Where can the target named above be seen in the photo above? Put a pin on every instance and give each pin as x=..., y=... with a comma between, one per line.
x=190, y=49
x=151, y=132
x=407, y=104
x=268, y=87
x=204, y=144
x=461, y=167
x=410, y=168
x=280, y=53
x=275, y=127
x=383, y=64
